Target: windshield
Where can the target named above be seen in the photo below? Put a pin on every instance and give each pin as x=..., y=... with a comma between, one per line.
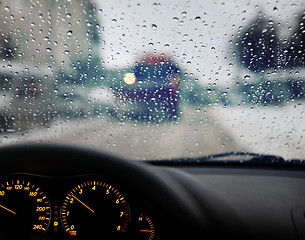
x=154, y=80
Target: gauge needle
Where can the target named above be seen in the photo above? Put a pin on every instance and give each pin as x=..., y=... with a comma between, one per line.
x=142, y=230
x=7, y=209
x=83, y=203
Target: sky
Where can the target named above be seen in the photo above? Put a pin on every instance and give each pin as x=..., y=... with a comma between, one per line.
x=196, y=34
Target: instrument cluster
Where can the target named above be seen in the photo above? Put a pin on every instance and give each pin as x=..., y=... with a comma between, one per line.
x=77, y=207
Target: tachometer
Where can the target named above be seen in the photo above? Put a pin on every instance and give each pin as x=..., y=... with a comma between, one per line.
x=24, y=210
x=95, y=209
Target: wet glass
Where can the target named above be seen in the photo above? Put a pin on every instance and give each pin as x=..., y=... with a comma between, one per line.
x=154, y=80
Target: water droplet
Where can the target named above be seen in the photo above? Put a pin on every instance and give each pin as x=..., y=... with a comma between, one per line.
x=154, y=26
x=150, y=44
x=69, y=33
x=48, y=50
x=198, y=18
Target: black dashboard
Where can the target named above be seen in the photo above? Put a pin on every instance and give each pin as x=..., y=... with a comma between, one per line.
x=64, y=192
x=73, y=207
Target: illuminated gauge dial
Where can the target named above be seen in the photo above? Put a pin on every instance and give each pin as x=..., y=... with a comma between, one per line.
x=95, y=209
x=145, y=228
x=24, y=210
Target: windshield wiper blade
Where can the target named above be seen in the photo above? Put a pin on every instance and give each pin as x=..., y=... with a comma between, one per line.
x=230, y=158
x=243, y=157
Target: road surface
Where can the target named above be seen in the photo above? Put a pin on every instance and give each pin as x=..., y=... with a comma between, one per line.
x=197, y=133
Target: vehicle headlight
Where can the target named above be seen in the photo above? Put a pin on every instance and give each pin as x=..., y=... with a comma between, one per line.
x=130, y=78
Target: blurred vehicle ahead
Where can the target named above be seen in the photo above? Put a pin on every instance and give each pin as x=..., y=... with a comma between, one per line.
x=150, y=90
x=28, y=94
x=72, y=100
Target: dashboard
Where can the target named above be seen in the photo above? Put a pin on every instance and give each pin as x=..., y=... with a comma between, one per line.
x=73, y=207
x=65, y=192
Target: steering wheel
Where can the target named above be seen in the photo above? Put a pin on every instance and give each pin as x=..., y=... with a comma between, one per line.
x=191, y=216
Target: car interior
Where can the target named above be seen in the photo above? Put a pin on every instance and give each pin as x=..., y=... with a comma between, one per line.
x=229, y=165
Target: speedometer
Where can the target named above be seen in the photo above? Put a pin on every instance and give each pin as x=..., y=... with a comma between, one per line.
x=24, y=210
x=95, y=209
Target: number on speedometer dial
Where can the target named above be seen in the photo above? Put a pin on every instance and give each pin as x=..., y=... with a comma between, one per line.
x=95, y=209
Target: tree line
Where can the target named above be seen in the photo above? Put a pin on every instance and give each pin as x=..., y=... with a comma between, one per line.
x=259, y=46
